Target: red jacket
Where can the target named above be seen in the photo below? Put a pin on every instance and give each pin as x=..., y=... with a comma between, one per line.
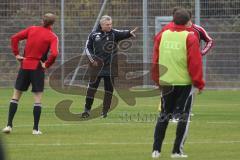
x=198, y=31
x=202, y=35
x=39, y=41
x=194, y=58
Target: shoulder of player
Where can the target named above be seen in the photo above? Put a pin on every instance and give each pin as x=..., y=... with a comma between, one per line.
x=95, y=33
x=202, y=31
x=191, y=37
x=199, y=28
x=192, y=41
x=51, y=35
x=32, y=27
x=169, y=25
x=54, y=36
x=35, y=29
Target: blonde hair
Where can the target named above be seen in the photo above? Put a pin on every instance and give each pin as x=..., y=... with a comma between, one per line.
x=48, y=19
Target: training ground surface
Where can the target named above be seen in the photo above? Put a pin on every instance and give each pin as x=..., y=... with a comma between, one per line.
x=126, y=134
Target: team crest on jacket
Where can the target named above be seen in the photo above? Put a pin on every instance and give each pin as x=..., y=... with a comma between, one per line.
x=97, y=38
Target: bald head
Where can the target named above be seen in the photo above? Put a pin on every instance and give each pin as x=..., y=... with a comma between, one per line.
x=48, y=19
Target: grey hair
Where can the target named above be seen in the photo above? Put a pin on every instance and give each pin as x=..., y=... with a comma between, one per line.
x=105, y=18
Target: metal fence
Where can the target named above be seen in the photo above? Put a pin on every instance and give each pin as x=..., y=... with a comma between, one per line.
x=76, y=18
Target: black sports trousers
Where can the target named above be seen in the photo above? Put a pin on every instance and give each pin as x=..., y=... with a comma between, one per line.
x=92, y=89
x=172, y=98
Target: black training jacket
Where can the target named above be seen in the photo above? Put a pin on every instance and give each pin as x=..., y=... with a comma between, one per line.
x=103, y=46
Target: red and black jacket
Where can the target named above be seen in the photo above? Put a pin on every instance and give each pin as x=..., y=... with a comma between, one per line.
x=198, y=31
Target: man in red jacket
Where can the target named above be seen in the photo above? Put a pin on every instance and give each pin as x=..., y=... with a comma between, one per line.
x=198, y=31
x=39, y=40
x=201, y=35
x=177, y=50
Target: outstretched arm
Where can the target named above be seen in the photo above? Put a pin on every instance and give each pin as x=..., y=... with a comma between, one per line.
x=124, y=34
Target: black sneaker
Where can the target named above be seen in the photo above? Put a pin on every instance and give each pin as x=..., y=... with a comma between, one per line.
x=104, y=114
x=85, y=114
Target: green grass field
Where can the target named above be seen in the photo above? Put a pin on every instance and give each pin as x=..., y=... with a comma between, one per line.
x=214, y=131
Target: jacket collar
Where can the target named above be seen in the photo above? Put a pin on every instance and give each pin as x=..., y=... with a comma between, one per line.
x=181, y=27
x=49, y=27
x=99, y=29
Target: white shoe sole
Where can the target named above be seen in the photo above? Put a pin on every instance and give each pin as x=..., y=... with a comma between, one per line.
x=179, y=156
x=7, y=130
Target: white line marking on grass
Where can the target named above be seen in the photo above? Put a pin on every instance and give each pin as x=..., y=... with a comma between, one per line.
x=214, y=142
x=147, y=105
x=79, y=124
x=114, y=123
x=211, y=105
x=203, y=105
x=223, y=122
x=117, y=143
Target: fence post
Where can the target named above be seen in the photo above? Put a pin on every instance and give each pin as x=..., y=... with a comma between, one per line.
x=145, y=41
x=62, y=43
x=198, y=22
